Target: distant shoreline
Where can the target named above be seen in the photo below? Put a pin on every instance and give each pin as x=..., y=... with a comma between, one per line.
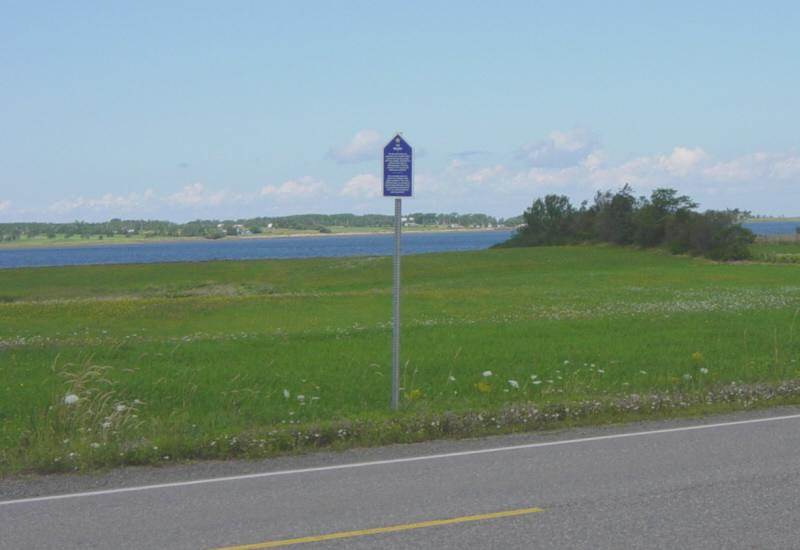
x=80, y=243
x=773, y=220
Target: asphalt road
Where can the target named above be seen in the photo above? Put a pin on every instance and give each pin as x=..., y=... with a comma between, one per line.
x=734, y=483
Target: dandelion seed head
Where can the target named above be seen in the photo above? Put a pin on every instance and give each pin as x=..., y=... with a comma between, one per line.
x=71, y=399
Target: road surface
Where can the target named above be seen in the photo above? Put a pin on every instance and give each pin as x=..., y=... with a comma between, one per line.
x=729, y=481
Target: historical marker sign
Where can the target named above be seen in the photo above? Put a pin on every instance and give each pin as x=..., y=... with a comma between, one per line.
x=397, y=168
x=398, y=182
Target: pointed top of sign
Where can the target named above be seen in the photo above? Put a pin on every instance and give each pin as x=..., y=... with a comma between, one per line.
x=398, y=140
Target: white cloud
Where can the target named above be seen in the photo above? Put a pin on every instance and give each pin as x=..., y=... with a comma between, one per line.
x=572, y=163
x=109, y=201
x=489, y=173
x=560, y=149
x=762, y=166
x=292, y=189
x=362, y=186
x=364, y=145
x=683, y=160
x=195, y=195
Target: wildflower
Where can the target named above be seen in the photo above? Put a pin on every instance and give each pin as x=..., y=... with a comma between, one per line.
x=94, y=445
x=566, y=361
x=537, y=382
x=106, y=425
x=483, y=387
x=121, y=408
x=534, y=377
x=642, y=372
x=451, y=378
x=286, y=393
x=416, y=393
x=71, y=399
x=601, y=371
x=703, y=370
x=301, y=397
x=487, y=373
x=514, y=384
x=687, y=377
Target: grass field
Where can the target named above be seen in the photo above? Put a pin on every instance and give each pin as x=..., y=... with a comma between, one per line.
x=782, y=251
x=250, y=358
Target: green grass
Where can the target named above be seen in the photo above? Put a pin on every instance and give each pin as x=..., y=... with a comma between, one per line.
x=188, y=360
x=779, y=251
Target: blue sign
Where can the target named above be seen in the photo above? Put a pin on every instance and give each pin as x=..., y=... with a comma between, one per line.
x=397, y=168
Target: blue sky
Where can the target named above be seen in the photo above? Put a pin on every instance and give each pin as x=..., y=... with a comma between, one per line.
x=185, y=110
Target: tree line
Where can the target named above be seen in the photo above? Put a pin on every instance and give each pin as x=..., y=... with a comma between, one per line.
x=665, y=219
x=220, y=228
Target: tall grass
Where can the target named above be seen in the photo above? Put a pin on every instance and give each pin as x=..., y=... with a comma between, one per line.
x=250, y=358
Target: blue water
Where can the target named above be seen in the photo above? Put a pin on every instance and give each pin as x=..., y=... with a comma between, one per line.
x=772, y=228
x=250, y=249
x=284, y=247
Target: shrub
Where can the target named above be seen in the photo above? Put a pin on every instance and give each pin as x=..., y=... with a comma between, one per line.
x=664, y=219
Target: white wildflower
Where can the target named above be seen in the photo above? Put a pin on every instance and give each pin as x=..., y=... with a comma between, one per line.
x=687, y=377
x=534, y=377
x=703, y=370
x=121, y=408
x=301, y=397
x=514, y=384
x=537, y=382
x=642, y=372
x=94, y=445
x=487, y=373
x=286, y=393
x=451, y=378
x=71, y=399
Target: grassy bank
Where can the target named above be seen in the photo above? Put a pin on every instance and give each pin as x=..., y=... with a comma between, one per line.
x=63, y=241
x=193, y=360
x=777, y=250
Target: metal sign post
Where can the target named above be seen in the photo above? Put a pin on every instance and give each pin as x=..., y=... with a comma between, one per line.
x=397, y=183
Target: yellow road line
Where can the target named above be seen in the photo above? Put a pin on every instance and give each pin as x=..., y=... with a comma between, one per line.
x=380, y=530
